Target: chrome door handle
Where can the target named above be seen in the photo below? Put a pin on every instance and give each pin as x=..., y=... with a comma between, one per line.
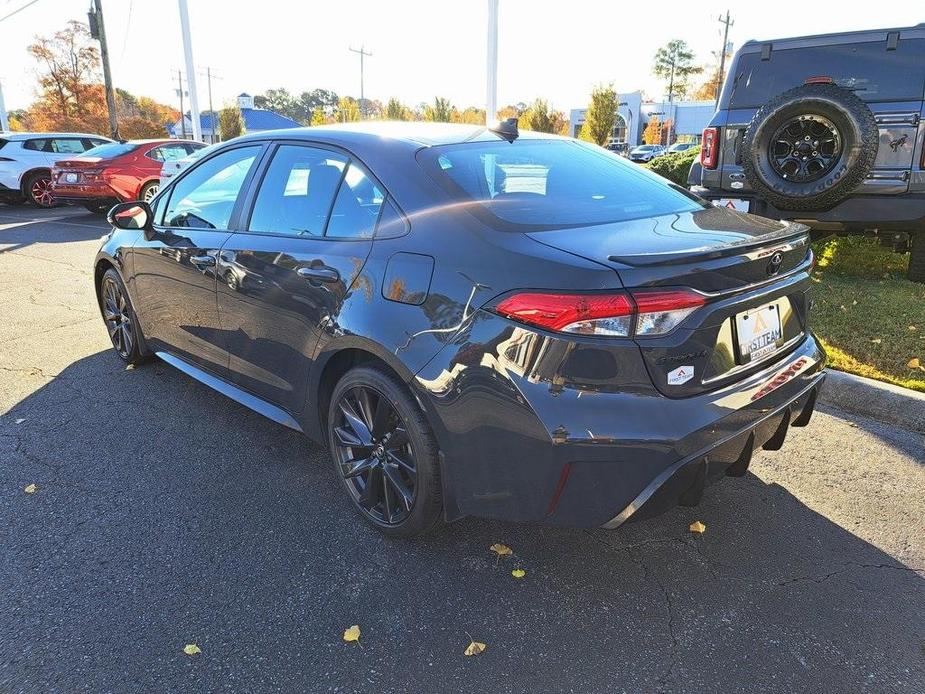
x=203, y=260
x=319, y=273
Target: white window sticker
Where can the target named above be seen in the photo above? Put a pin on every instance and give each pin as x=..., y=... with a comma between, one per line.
x=680, y=375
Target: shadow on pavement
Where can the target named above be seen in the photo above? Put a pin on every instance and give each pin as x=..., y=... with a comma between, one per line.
x=22, y=226
x=168, y=515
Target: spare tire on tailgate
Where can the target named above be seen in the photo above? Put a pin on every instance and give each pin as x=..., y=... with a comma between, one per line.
x=808, y=148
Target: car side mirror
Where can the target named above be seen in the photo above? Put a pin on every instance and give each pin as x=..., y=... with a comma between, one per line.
x=131, y=215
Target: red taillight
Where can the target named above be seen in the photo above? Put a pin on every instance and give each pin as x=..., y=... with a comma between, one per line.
x=642, y=312
x=587, y=314
x=709, y=148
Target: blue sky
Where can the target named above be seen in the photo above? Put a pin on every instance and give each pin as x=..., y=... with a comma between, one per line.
x=556, y=50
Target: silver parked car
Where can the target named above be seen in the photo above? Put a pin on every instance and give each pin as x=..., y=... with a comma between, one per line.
x=646, y=153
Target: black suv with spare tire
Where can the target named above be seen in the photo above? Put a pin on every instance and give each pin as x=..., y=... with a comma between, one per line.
x=826, y=130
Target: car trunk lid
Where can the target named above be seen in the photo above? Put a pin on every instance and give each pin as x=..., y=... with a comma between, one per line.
x=751, y=271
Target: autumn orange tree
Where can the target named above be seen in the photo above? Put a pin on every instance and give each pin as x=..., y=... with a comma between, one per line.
x=71, y=97
x=652, y=135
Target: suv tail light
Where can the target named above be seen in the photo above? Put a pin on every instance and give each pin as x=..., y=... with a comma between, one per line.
x=642, y=312
x=709, y=148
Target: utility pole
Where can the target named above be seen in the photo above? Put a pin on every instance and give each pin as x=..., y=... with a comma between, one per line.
x=491, y=81
x=190, y=69
x=362, y=52
x=722, y=56
x=182, y=115
x=212, y=119
x=4, y=124
x=98, y=31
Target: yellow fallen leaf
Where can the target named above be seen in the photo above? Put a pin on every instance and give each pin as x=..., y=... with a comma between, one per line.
x=500, y=550
x=352, y=634
x=876, y=340
x=518, y=573
x=474, y=648
x=698, y=527
x=30, y=489
x=912, y=328
x=914, y=363
x=191, y=649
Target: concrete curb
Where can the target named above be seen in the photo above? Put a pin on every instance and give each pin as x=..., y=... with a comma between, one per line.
x=884, y=402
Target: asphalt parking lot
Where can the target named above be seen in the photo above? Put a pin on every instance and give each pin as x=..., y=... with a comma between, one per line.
x=167, y=515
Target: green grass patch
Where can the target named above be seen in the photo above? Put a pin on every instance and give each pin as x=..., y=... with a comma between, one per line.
x=871, y=320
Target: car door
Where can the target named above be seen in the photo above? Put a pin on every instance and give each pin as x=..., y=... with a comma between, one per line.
x=284, y=279
x=174, y=265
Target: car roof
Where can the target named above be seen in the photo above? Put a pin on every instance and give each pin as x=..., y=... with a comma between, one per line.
x=862, y=35
x=16, y=135
x=413, y=133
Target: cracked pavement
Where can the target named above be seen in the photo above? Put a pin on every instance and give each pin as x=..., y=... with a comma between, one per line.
x=166, y=515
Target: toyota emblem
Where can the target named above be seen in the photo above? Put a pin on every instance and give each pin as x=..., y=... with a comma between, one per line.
x=774, y=263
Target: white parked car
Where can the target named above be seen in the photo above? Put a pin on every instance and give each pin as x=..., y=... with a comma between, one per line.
x=26, y=160
x=644, y=153
x=172, y=168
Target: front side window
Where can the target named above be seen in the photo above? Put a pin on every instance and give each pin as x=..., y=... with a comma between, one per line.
x=544, y=184
x=205, y=197
x=296, y=193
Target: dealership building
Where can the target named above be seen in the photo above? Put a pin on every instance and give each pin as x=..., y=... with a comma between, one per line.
x=688, y=118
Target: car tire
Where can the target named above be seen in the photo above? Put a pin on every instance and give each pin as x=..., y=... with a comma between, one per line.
x=120, y=319
x=149, y=190
x=97, y=207
x=387, y=456
x=810, y=147
x=916, y=270
x=37, y=189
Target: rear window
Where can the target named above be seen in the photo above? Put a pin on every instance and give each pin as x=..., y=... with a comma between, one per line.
x=545, y=184
x=112, y=150
x=867, y=69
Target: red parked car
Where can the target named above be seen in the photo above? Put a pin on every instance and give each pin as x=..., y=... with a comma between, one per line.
x=116, y=172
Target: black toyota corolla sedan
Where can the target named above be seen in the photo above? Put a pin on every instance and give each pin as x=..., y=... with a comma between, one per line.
x=476, y=321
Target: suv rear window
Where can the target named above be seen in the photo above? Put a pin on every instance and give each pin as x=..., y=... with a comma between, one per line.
x=867, y=69
x=546, y=184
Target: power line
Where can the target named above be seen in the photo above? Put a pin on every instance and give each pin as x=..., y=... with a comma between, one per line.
x=128, y=23
x=28, y=4
x=722, y=59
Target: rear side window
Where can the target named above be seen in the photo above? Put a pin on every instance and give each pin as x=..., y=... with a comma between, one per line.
x=297, y=191
x=205, y=197
x=67, y=145
x=543, y=184
x=35, y=145
x=356, y=208
x=867, y=69
x=167, y=152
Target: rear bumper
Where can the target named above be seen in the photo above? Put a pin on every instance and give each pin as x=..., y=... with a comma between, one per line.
x=83, y=193
x=536, y=441
x=855, y=213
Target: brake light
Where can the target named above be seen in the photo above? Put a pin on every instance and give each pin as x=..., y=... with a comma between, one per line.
x=709, y=148
x=584, y=314
x=643, y=312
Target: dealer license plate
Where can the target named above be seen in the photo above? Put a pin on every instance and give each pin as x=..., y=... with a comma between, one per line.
x=759, y=332
x=732, y=204
x=70, y=178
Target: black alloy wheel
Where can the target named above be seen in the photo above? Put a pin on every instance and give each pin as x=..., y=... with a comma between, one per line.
x=119, y=317
x=805, y=148
x=384, y=453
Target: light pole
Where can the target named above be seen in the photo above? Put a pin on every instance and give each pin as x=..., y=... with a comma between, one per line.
x=4, y=124
x=190, y=70
x=491, y=80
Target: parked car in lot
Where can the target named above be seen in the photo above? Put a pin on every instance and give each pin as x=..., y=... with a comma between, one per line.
x=588, y=346
x=682, y=147
x=618, y=148
x=826, y=130
x=645, y=153
x=26, y=160
x=117, y=171
x=174, y=166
